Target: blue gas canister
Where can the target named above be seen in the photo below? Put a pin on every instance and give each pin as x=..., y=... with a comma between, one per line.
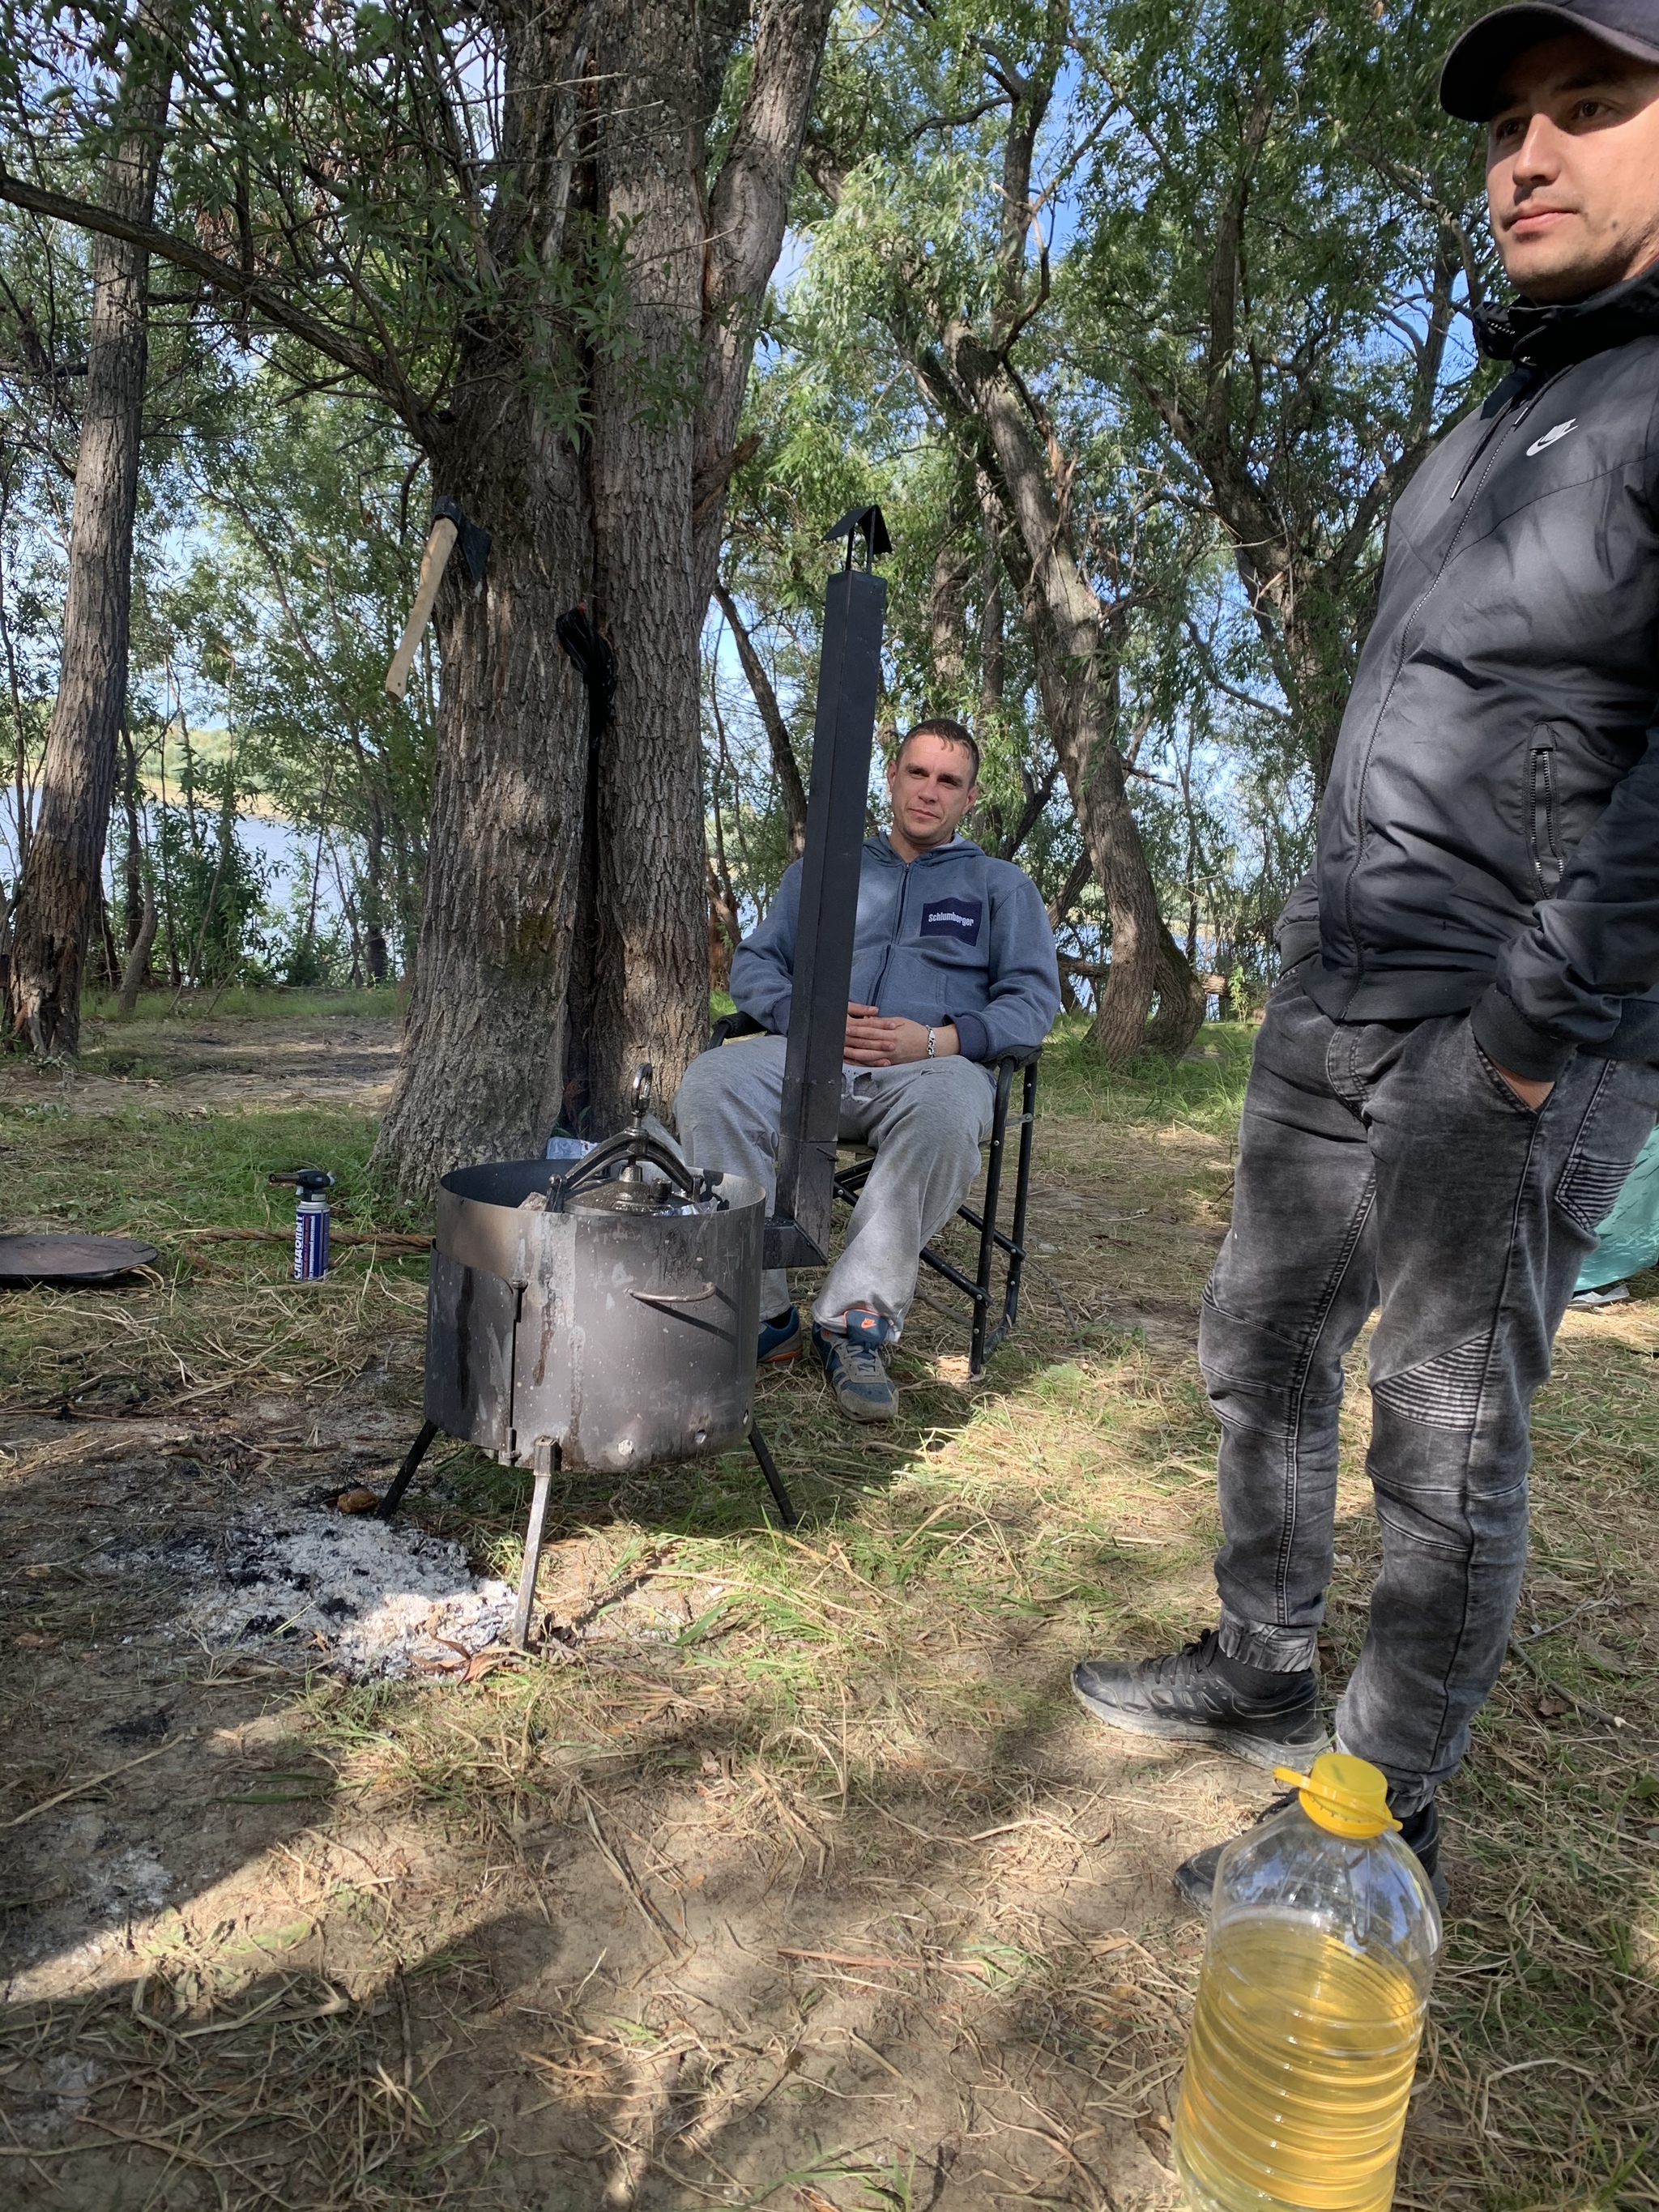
x=311, y=1218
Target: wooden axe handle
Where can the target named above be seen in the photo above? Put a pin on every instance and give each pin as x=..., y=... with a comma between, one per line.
x=439, y=546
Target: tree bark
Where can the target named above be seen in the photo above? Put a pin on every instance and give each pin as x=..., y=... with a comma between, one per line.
x=375, y=956
x=724, y=928
x=482, y=1072
x=564, y=930
x=991, y=655
x=650, y=946
x=134, y=917
x=1077, y=678
x=947, y=619
x=62, y=881
x=137, y=971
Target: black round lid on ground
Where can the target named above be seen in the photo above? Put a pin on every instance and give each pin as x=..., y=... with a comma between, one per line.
x=70, y=1259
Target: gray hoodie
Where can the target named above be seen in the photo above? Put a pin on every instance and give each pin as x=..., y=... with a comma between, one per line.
x=952, y=936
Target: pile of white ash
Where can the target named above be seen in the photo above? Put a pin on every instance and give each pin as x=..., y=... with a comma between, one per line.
x=358, y=1596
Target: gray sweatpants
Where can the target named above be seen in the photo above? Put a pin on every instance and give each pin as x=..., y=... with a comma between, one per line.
x=926, y=1121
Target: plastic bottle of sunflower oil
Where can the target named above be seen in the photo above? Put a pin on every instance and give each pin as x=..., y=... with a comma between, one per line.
x=1324, y=1937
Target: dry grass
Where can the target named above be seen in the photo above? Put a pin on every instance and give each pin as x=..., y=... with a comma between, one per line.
x=295, y=2098
x=786, y=1873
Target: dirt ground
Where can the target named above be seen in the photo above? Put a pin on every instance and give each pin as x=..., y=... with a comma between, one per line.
x=322, y=1061
x=785, y=1873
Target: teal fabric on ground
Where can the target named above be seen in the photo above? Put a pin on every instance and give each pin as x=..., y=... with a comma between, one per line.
x=1629, y=1235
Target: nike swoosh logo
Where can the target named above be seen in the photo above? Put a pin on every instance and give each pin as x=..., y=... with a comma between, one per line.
x=1552, y=437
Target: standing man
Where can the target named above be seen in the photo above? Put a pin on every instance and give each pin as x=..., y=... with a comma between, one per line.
x=1457, y=1067
x=953, y=964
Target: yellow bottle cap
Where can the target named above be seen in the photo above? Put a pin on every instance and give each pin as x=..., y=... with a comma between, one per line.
x=1348, y=1796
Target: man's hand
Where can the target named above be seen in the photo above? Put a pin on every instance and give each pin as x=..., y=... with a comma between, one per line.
x=878, y=1040
x=1529, y=1093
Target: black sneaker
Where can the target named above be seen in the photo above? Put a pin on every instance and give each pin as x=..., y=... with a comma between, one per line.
x=1201, y=1696
x=1420, y=1832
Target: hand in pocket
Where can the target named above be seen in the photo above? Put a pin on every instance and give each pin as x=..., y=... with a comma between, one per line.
x=1532, y=1095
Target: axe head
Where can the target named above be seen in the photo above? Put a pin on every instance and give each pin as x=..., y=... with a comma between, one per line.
x=474, y=539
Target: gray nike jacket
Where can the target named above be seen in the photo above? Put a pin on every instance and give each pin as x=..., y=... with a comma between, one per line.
x=951, y=936
x=1489, y=838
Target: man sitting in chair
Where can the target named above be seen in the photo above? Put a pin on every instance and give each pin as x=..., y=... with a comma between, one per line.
x=953, y=964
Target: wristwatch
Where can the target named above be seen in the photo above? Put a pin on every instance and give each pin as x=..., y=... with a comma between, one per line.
x=933, y=1046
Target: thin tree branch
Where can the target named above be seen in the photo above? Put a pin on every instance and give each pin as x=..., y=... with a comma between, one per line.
x=225, y=278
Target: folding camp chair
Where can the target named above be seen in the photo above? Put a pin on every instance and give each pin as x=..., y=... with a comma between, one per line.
x=850, y=1181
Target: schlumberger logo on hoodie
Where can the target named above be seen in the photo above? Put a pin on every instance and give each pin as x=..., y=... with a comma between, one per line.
x=953, y=917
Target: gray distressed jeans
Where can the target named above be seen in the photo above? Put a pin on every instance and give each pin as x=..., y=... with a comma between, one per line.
x=926, y=1121
x=1388, y=1164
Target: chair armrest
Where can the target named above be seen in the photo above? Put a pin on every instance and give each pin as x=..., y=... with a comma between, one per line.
x=1019, y=1055
x=734, y=1026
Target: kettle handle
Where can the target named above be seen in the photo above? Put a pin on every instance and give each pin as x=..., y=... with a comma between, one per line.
x=632, y=1147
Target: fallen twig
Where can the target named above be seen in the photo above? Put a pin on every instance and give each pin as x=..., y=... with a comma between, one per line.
x=654, y=1920
x=976, y=1967
x=76, y=1789
x=1560, y=1689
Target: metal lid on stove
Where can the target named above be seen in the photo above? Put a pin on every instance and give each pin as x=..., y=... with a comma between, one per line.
x=647, y=1194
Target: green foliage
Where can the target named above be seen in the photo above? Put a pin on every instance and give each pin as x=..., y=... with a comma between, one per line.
x=1237, y=306
x=213, y=895
x=332, y=151
x=1278, y=231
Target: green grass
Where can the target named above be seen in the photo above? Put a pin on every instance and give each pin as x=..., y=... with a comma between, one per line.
x=1205, y=1090
x=163, y=1172
x=152, y=1171
x=158, y=1009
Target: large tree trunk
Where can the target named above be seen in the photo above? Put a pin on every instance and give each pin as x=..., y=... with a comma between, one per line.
x=62, y=881
x=564, y=928
x=650, y=985
x=482, y=1061
x=1077, y=675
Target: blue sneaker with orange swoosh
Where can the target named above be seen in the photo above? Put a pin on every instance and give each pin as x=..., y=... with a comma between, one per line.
x=858, y=1373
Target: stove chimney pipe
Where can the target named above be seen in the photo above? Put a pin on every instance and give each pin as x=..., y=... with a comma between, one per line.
x=849, y=682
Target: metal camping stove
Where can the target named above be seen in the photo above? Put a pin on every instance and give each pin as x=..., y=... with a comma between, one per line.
x=605, y=1318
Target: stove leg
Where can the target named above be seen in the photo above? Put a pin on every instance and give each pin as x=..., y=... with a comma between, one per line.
x=532, y=1543
x=768, y=1468
x=412, y=1458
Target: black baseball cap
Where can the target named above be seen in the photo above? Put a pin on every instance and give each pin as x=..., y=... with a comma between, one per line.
x=1474, y=67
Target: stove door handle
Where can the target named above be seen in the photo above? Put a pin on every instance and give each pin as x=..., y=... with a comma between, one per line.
x=675, y=1298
